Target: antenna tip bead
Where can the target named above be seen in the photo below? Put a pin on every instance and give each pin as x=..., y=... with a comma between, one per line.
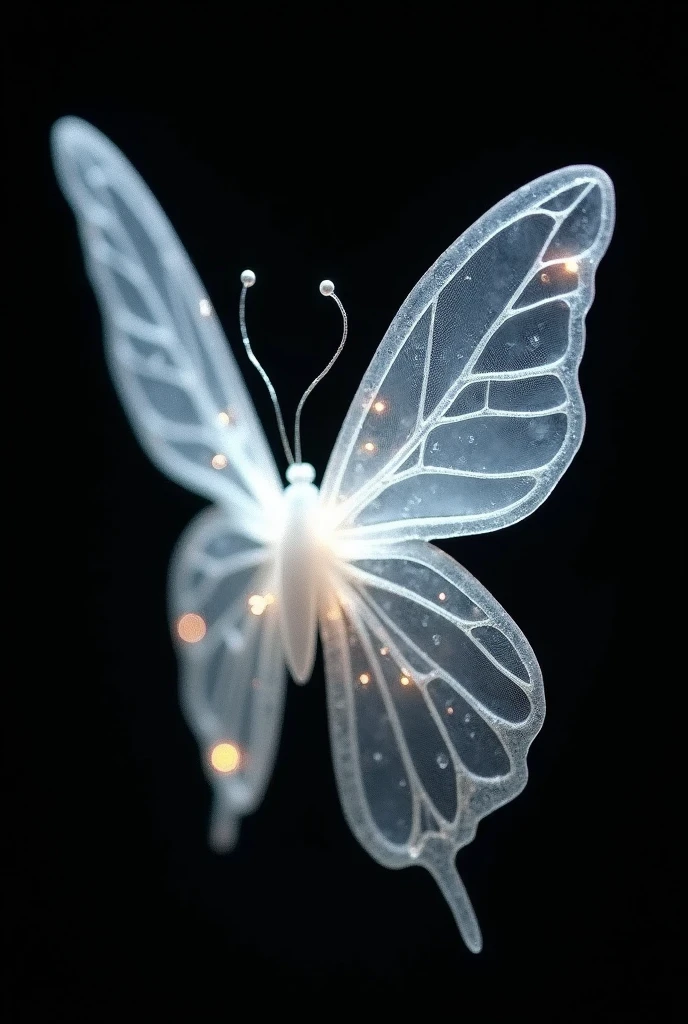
x=326, y=287
x=248, y=278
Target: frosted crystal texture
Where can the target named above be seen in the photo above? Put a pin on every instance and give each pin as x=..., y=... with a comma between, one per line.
x=465, y=420
x=478, y=373
x=233, y=680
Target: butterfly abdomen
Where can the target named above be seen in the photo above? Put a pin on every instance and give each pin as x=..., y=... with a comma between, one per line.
x=299, y=565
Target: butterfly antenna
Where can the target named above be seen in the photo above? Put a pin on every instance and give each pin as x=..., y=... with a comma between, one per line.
x=248, y=279
x=327, y=289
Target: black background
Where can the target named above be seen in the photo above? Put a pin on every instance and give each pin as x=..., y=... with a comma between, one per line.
x=307, y=146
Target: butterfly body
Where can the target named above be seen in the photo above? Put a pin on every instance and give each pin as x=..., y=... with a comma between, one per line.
x=301, y=560
x=466, y=418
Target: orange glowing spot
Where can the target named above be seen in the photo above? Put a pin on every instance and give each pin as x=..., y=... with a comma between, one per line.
x=205, y=308
x=384, y=651
x=225, y=757
x=442, y=596
x=333, y=615
x=544, y=277
x=364, y=678
x=379, y=406
x=450, y=711
x=191, y=628
x=219, y=461
x=404, y=680
x=369, y=446
x=571, y=266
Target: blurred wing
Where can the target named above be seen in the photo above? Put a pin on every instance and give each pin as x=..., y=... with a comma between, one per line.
x=168, y=357
x=232, y=670
x=470, y=410
x=434, y=696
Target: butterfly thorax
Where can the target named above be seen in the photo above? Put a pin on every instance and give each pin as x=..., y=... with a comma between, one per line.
x=299, y=568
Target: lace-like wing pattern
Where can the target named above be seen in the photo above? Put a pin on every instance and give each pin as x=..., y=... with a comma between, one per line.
x=188, y=405
x=168, y=357
x=468, y=415
x=232, y=671
x=434, y=697
x=470, y=410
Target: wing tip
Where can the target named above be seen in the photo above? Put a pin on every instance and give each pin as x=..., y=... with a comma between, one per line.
x=223, y=831
x=69, y=128
x=439, y=861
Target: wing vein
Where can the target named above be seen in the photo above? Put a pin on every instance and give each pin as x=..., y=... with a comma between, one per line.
x=435, y=670
x=352, y=505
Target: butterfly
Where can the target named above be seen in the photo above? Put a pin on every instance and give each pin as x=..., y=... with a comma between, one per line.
x=466, y=418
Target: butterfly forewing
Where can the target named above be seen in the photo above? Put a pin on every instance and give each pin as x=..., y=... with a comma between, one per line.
x=470, y=410
x=169, y=359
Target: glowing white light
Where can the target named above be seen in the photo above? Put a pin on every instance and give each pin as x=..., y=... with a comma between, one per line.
x=259, y=602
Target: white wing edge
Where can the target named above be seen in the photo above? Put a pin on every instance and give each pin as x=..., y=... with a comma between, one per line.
x=73, y=140
x=416, y=305
x=248, y=647
x=479, y=796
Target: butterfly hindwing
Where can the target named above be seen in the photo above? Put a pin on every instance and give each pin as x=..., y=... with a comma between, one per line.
x=232, y=672
x=434, y=697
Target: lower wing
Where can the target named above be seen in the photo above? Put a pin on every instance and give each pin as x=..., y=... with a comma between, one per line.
x=434, y=697
x=221, y=597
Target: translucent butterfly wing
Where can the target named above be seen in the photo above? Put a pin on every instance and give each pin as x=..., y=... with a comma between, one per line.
x=470, y=410
x=465, y=420
x=434, y=696
x=187, y=402
x=168, y=357
x=233, y=675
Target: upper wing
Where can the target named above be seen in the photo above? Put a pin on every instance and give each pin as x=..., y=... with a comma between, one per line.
x=470, y=410
x=168, y=356
x=232, y=670
x=434, y=696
